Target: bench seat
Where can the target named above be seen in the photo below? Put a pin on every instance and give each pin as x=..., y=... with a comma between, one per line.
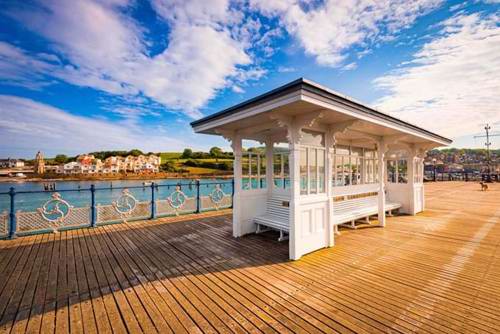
x=348, y=211
x=277, y=216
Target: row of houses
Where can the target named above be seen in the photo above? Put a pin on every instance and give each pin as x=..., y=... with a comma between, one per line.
x=11, y=163
x=89, y=164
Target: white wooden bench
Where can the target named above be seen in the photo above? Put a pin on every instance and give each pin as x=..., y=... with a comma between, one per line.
x=277, y=217
x=347, y=212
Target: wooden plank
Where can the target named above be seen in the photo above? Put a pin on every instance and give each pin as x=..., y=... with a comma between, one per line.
x=15, y=277
x=94, y=291
x=112, y=312
x=75, y=307
x=36, y=312
x=21, y=286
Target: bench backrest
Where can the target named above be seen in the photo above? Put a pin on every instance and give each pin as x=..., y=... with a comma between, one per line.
x=356, y=203
x=278, y=207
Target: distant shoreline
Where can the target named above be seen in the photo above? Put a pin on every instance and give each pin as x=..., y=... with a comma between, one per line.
x=161, y=176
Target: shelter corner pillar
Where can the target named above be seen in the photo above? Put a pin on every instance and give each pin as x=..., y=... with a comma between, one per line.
x=236, y=145
x=294, y=161
x=330, y=142
x=411, y=181
x=381, y=151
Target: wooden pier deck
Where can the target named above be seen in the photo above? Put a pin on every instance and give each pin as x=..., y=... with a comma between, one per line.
x=437, y=272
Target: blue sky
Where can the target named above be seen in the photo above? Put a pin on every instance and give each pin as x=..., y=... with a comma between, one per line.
x=85, y=75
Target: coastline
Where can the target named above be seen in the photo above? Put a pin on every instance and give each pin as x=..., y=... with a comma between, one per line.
x=158, y=176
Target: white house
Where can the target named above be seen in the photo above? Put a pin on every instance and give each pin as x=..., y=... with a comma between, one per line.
x=345, y=162
x=11, y=163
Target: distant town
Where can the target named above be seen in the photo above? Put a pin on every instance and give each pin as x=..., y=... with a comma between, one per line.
x=136, y=164
x=463, y=160
x=118, y=164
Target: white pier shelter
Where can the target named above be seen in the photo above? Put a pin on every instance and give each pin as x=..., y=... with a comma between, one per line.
x=345, y=162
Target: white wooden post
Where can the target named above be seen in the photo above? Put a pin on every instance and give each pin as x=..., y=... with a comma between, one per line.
x=294, y=162
x=411, y=179
x=382, y=148
x=329, y=142
x=269, y=167
x=237, y=171
x=421, y=177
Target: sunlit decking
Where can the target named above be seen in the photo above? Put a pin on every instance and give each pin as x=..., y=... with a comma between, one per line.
x=437, y=271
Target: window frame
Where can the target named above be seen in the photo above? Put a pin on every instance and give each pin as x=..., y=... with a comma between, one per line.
x=357, y=167
x=314, y=151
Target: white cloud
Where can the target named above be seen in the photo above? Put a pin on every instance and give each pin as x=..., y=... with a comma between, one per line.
x=286, y=69
x=328, y=30
x=27, y=126
x=350, y=66
x=452, y=84
x=105, y=49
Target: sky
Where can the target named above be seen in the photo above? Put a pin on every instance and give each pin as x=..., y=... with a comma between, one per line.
x=87, y=75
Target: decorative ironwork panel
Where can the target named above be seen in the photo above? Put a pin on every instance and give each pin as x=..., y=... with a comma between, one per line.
x=55, y=210
x=37, y=222
x=207, y=203
x=165, y=207
x=110, y=214
x=125, y=204
x=4, y=223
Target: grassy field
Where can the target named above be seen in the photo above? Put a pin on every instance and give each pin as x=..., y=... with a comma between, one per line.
x=169, y=156
x=202, y=171
x=175, y=158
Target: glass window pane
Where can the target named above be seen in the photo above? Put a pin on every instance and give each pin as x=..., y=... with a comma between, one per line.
x=402, y=171
x=355, y=170
x=286, y=171
x=347, y=170
x=321, y=168
x=357, y=151
x=391, y=171
x=339, y=178
x=303, y=171
x=313, y=170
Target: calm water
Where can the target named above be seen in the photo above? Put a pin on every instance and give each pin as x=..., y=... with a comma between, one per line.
x=106, y=192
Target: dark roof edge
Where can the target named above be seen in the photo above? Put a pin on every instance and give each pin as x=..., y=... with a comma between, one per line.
x=320, y=90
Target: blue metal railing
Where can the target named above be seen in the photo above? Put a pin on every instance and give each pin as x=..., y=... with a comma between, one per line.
x=41, y=213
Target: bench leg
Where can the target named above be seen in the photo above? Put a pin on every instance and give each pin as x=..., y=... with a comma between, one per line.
x=367, y=219
x=336, y=229
x=258, y=229
x=282, y=236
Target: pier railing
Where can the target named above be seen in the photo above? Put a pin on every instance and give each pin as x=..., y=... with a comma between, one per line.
x=32, y=212
x=460, y=176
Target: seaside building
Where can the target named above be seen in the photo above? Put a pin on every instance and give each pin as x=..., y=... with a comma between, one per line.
x=345, y=163
x=11, y=163
x=39, y=166
x=89, y=164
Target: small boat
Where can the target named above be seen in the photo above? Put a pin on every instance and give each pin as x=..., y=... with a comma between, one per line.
x=147, y=183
